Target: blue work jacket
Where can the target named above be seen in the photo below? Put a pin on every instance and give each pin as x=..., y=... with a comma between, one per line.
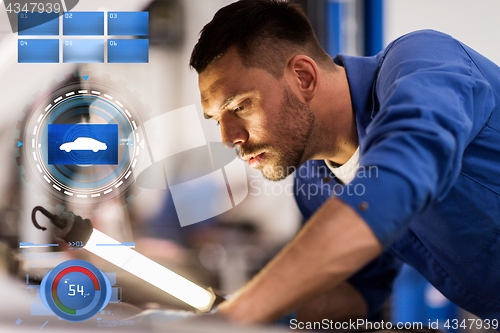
x=428, y=120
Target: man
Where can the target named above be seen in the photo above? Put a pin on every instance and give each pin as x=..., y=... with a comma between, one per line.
x=423, y=113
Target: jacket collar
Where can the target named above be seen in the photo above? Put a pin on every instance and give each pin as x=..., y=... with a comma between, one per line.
x=361, y=74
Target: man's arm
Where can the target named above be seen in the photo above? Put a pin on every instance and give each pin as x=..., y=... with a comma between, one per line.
x=331, y=247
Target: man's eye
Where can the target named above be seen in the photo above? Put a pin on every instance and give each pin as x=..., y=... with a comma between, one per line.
x=239, y=108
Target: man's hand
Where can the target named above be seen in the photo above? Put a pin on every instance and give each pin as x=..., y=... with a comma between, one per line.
x=333, y=245
x=340, y=304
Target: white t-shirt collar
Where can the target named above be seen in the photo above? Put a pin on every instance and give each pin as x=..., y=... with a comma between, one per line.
x=347, y=171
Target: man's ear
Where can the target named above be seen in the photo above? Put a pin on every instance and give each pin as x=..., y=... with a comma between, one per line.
x=304, y=75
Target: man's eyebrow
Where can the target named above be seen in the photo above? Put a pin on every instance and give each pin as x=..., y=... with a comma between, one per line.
x=228, y=101
x=224, y=104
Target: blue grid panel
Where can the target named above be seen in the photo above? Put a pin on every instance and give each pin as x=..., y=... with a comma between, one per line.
x=128, y=51
x=128, y=23
x=83, y=24
x=38, y=24
x=38, y=51
x=83, y=51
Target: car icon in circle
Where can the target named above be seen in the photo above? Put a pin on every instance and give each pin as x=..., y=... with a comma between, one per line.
x=83, y=143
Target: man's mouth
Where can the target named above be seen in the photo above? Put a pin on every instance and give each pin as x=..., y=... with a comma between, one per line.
x=256, y=160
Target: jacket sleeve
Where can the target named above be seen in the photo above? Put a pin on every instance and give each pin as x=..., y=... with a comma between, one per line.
x=432, y=102
x=374, y=281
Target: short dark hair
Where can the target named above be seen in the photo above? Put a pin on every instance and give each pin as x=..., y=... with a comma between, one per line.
x=264, y=32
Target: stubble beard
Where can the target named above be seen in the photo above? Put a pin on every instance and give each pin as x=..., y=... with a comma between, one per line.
x=293, y=133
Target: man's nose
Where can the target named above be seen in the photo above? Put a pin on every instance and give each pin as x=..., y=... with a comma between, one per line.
x=233, y=132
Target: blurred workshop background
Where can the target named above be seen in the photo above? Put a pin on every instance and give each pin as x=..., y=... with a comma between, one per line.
x=227, y=250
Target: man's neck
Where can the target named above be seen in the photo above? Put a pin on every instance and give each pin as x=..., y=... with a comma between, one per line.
x=335, y=136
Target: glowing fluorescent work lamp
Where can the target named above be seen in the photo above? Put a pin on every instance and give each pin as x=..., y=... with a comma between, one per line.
x=72, y=228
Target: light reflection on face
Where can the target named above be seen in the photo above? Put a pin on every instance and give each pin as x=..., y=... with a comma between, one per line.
x=258, y=114
x=292, y=133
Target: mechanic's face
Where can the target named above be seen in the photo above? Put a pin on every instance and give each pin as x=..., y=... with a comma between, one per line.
x=258, y=114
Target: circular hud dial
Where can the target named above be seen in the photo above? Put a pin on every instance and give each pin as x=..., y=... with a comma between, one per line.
x=75, y=290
